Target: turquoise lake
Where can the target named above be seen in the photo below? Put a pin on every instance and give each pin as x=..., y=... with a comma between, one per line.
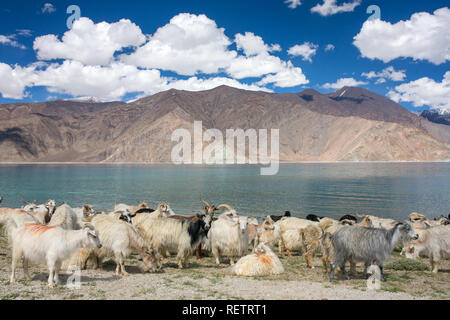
x=382, y=189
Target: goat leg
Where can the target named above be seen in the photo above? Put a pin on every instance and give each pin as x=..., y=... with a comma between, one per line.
x=198, y=252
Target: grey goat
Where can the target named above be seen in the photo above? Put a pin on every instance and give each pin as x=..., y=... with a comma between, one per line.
x=368, y=245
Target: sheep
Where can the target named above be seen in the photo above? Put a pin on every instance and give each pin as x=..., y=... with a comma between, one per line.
x=121, y=239
x=263, y=262
x=229, y=237
x=66, y=218
x=368, y=245
x=180, y=236
x=38, y=243
x=433, y=243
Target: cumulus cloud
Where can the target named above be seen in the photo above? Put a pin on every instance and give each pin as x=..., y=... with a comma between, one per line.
x=424, y=92
x=188, y=44
x=424, y=36
x=196, y=84
x=48, y=8
x=253, y=45
x=14, y=80
x=306, y=50
x=293, y=3
x=95, y=64
x=344, y=82
x=9, y=41
x=329, y=47
x=386, y=74
x=329, y=7
x=89, y=43
x=290, y=76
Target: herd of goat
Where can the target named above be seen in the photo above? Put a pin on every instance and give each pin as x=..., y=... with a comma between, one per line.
x=63, y=237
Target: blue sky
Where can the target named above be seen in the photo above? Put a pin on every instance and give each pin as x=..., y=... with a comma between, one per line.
x=415, y=76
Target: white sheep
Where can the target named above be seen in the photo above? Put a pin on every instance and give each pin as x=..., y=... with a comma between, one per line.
x=38, y=243
x=263, y=262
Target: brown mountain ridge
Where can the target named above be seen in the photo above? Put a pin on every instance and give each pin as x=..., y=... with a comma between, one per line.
x=351, y=124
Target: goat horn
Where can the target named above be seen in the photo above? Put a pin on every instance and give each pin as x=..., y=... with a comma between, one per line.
x=227, y=206
x=361, y=215
x=1, y=199
x=206, y=203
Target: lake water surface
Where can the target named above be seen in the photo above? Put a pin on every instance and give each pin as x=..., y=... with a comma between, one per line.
x=382, y=189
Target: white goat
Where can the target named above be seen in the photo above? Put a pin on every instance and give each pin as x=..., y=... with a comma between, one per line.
x=38, y=243
x=66, y=218
x=263, y=262
x=433, y=243
x=120, y=239
x=173, y=235
x=229, y=237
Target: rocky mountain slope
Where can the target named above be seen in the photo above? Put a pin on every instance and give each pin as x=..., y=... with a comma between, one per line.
x=351, y=124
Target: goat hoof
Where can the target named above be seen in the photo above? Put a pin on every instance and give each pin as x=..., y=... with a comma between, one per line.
x=51, y=286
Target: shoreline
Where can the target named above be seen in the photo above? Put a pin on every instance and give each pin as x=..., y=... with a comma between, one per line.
x=217, y=165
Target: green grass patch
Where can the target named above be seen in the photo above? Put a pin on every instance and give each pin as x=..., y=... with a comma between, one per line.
x=406, y=264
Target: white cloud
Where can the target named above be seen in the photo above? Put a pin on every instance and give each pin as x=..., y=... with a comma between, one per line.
x=424, y=92
x=188, y=44
x=329, y=47
x=14, y=81
x=293, y=3
x=24, y=32
x=423, y=37
x=389, y=73
x=93, y=65
x=290, y=76
x=306, y=50
x=344, y=82
x=253, y=45
x=48, y=8
x=89, y=43
x=329, y=7
x=9, y=40
x=196, y=84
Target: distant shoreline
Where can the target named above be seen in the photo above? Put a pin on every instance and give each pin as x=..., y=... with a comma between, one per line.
x=215, y=165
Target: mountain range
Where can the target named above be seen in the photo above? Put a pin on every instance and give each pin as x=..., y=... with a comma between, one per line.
x=351, y=124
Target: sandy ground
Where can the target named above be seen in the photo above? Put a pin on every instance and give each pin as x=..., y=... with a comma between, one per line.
x=204, y=280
